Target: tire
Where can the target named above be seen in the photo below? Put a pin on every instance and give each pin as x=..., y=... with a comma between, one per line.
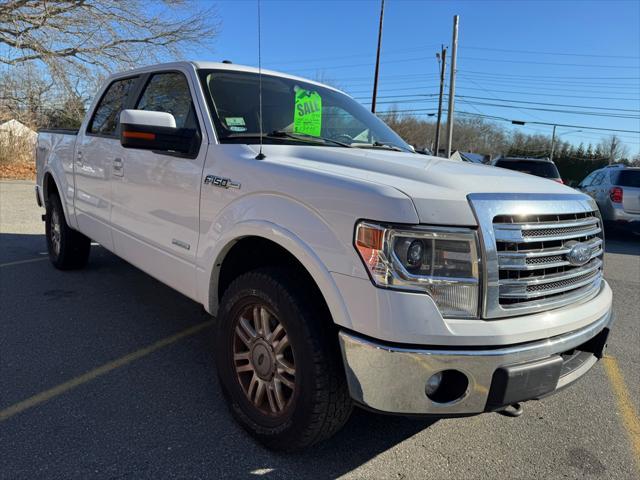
x=318, y=404
x=68, y=249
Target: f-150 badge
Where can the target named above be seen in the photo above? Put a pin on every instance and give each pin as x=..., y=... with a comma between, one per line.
x=220, y=182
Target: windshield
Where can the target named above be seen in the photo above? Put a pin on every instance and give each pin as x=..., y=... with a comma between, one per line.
x=294, y=112
x=540, y=169
x=629, y=178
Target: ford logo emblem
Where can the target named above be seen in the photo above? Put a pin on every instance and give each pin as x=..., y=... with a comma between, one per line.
x=579, y=254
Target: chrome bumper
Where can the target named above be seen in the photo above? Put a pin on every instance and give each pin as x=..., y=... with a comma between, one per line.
x=392, y=379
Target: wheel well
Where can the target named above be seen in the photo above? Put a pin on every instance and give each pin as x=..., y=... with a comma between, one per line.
x=251, y=253
x=49, y=186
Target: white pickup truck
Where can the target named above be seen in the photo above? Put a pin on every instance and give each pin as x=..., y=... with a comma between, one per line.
x=342, y=267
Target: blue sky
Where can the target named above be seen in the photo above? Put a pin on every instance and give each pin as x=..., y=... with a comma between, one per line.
x=575, y=53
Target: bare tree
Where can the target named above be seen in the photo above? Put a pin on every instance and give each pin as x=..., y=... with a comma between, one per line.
x=73, y=37
x=613, y=149
x=22, y=95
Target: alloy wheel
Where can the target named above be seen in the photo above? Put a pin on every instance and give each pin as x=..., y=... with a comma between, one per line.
x=263, y=360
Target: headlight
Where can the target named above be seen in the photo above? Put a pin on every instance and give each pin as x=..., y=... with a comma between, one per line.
x=442, y=262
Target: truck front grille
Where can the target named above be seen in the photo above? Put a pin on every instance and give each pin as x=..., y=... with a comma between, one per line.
x=532, y=256
x=527, y=240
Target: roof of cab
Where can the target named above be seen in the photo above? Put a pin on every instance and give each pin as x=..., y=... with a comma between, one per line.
x=218, y=66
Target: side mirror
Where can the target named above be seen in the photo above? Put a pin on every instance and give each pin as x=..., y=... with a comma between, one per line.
x=148, y=130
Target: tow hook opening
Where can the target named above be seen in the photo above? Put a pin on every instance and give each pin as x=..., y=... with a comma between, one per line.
x=446, y=386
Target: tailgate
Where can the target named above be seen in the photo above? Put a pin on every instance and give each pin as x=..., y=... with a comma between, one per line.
x=631, y=199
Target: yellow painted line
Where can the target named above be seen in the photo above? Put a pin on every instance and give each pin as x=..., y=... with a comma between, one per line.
x=20, y=262
x=630, y=417
x=97, y=372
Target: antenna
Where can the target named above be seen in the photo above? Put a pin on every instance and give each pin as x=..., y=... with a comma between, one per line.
x=260, y=155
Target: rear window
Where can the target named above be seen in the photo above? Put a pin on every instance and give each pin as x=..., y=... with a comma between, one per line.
x=106, y=118
x=540, y=169
x=629, y=178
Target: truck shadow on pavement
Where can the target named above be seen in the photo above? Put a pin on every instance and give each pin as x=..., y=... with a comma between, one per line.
x=162, y=415
x=628, y=244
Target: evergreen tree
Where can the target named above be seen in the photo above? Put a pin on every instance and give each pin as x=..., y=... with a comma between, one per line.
x=598, y=153
x=579, y=153
x=589, y=153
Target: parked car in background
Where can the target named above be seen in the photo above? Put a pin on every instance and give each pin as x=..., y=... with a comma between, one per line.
x=540, y=167
x=616, y=190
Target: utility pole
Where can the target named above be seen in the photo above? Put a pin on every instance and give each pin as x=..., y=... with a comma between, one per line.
x=452, y=84
x=553, y=143
x=375, y=78
x=443, y=57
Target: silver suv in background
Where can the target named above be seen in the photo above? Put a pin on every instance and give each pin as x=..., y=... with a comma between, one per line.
x=540, y=167
x=616, y=190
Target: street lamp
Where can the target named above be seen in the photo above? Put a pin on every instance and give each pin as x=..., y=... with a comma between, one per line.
x=553, y=139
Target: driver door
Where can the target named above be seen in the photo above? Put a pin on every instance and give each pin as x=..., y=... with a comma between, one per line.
x=155, y=194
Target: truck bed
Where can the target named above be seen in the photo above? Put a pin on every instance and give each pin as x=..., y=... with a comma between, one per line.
x=55, y=148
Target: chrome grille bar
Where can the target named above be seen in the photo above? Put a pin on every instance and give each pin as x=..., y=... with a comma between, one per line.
x=538, y=286
x=547, y=231
x=544, y=257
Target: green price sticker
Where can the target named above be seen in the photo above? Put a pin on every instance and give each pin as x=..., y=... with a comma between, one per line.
x=307, y=118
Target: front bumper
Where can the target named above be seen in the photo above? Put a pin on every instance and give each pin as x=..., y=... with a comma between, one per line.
x=393, y=378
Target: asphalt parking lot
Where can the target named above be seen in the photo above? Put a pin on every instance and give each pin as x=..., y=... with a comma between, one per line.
x=107, y=373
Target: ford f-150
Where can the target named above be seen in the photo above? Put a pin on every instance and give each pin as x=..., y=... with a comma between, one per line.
x=342, y=267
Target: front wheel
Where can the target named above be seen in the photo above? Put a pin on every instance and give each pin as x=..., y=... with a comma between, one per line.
x=68, y=249
x=278, y=361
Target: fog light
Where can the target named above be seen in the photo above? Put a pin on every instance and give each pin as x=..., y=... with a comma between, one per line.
x=433, y=384
x=447, y=386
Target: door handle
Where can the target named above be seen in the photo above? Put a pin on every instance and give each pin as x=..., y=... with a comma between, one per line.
x=118, y=167
x=79, y=158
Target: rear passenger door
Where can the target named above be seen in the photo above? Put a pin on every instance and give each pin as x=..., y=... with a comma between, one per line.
x=156, y=195
x=97, y=149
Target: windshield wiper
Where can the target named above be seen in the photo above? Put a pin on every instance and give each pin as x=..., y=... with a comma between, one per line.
x=378, y=144
x=281, y=134
x=304, y=136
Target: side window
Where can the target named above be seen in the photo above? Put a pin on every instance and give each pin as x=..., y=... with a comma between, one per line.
x=613, y=177
x=107, y=115
x=587, y=181
x=169, y=92
x=597, y=180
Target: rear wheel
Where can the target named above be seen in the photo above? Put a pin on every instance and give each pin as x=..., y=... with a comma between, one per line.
x=278, y=361
x=68, y=249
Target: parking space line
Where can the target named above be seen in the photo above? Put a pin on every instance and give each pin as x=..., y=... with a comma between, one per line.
x=99, y=371
x=20, y=262
x=630, y=418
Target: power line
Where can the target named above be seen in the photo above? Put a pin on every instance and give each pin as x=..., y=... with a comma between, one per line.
x=532, y=94
x=529, y=83
x=421, y=48
x=509, y=100
x=552, y=77
x=354, y=55
x=522, y=108
x=499, y=60
x=529, y=62
x=552, y=104
x=532, y=52
x=503, y=119
x=524, y=81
